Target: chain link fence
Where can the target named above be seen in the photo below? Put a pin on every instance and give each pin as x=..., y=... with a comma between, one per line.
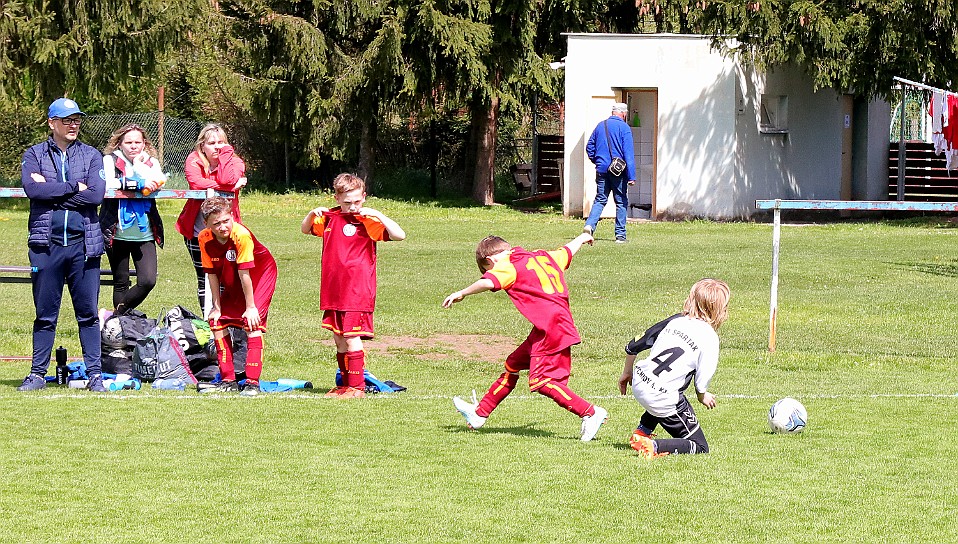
x=174, y=142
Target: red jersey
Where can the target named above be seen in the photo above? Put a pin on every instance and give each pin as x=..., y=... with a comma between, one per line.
x=348, y=279
x=535, y=283
x=242, y=251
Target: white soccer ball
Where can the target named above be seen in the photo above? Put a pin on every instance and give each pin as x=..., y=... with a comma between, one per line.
x=112, y=333
x=787, y=416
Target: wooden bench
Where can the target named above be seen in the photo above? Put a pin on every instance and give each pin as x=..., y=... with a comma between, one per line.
x=21, y=274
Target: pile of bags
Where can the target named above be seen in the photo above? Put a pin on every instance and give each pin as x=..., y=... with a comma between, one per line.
x=176, y=345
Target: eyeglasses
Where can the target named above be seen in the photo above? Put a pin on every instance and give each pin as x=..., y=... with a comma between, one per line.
x=71, y=121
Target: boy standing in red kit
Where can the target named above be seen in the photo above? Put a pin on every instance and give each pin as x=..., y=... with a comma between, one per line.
x=246, y=271
x=536, y=284
x=347, y=290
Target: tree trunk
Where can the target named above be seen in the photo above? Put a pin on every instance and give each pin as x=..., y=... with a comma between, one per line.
x=483, y=186
x=367, y=152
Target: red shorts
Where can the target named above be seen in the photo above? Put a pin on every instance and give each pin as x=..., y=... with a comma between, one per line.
x=233, y=304
x=542, y=368
x=224, y=322
x=349, y=324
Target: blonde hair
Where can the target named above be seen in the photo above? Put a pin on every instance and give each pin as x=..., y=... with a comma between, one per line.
x=708, y=301
x=117, y=138
x=490, y=245
x=348, y=182
x=201, y=139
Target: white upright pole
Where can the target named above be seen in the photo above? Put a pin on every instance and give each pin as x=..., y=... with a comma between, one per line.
x=773, y=310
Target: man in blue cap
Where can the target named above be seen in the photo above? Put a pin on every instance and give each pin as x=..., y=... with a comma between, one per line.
x=64, y=180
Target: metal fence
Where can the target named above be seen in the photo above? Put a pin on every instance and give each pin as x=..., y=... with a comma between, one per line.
x=910, y=114
x=174, y=138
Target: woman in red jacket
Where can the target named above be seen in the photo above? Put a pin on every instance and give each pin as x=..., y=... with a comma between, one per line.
x=211, y=165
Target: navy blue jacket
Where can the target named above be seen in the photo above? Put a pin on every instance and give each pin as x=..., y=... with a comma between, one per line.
x=600, y=152
x=85, y=165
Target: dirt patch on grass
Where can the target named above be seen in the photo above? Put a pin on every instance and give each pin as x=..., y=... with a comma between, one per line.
x=475, y=347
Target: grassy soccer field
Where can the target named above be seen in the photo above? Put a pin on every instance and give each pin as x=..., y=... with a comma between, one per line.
x=866, y=341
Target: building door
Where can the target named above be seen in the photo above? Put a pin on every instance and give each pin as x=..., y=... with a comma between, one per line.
x=643, y=118
x=848, y=104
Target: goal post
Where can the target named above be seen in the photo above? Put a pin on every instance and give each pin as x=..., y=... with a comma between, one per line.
x=777, y=205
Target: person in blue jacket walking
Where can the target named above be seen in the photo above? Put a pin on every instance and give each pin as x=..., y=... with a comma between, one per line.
x=612, y=138
x=64, y=180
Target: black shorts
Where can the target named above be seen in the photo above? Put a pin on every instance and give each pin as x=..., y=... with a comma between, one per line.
x=683, y=424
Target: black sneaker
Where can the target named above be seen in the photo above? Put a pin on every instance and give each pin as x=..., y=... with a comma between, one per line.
x=222, y=387
x=251, y=389
x=621, y=240
x=32, y=382
x=96, y=384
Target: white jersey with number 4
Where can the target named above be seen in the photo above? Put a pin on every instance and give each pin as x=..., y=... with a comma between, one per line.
x=686, y=348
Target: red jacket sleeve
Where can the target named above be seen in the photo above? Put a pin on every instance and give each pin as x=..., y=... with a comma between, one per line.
x=230, y=170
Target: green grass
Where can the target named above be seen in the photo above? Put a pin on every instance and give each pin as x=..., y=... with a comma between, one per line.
x=866, y=341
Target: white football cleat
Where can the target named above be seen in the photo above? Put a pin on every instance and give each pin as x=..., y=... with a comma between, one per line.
x=591, y=424
x=468, y=411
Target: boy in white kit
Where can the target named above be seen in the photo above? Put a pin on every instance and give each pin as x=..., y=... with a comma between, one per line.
x=684, y=349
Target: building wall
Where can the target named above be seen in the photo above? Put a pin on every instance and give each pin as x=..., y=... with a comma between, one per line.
x=805, y=162
x=690, y=143
x=712, y=158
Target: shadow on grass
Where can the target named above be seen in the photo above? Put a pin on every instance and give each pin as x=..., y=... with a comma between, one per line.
x=13, y=384
x=523, y=430
x=947, y=270
x=623, y=446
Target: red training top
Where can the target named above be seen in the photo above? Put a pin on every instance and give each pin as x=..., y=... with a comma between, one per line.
x=348, y=281
x=242, y=251
x=230, y=169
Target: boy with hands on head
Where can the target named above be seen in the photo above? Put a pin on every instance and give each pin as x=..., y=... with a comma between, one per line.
x=347, y=292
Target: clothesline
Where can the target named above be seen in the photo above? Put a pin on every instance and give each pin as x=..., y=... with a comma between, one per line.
x=923, y=86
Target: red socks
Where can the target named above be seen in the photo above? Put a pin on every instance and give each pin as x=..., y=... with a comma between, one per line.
x=224, y=357
x=341, y=362
x=254, y=358
x=355, y=362
x=558, y=392
x=499, y=390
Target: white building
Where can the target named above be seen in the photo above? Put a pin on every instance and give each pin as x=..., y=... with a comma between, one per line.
x=712, y=135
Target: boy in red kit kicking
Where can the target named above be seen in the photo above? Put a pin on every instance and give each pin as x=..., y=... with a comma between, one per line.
x=347, y=289
x=536, y=284
x=242, y=275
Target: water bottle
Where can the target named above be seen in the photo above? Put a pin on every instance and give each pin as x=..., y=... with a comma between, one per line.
x=159, y=185
x=78, y=384
x=172, y=384
x=121, y=385
x=294, y=384
x=62, y=370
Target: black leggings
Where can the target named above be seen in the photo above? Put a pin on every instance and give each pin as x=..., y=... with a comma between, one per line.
x=143, y=255
x=193, y=245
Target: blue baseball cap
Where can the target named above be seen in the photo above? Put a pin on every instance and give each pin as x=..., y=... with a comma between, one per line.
x=63, y=107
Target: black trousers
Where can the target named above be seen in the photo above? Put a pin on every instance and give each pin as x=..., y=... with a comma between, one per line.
x=53, y=267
